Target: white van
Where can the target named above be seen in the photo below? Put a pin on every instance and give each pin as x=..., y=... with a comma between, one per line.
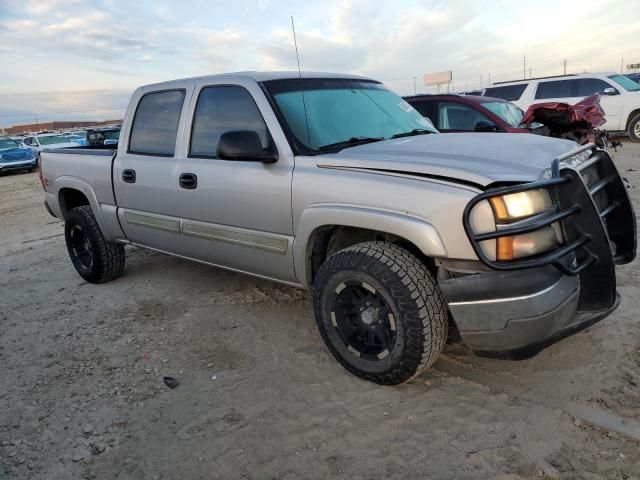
x=620, y=96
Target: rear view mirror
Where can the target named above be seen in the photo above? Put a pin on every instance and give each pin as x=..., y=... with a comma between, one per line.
x=485, y=126
x=610, y=91
x=244, y=145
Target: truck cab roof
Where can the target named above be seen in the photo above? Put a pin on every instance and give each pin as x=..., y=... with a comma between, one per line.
x=258, y=76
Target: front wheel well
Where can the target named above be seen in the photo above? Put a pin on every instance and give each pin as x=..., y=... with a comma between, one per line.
x=631, y=116
x=70, y=198
x=330, y=239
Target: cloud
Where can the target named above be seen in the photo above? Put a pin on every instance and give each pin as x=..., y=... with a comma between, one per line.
x=117, y=44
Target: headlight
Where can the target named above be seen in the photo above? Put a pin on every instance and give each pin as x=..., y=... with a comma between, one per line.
x=511, y=210
x=520, y=205
x=528, y=244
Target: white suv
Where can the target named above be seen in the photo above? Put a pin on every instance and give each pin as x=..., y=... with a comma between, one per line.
x=620, y=96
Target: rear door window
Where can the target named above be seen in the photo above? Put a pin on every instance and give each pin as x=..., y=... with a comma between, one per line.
x=557, y=89
x=223, y=109
x=155, y=124
x=506, y=92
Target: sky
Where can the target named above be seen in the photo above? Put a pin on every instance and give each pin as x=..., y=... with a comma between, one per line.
x=75, y=59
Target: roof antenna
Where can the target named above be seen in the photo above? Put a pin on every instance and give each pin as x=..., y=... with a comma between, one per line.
x=304, y=104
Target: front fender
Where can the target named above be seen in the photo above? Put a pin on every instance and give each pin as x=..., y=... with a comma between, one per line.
x=416, y=230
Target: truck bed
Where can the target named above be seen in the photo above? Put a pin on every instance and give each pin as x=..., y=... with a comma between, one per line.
x=92, y=165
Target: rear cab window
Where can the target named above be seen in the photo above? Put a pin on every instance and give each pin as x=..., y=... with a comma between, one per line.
x=506, y=92
x=155, y=123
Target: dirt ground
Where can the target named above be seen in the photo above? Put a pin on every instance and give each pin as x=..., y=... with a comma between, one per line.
x=82, y=396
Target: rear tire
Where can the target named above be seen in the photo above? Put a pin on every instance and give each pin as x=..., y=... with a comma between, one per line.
x=380, y=312
x=634, y=129
x=95, y=259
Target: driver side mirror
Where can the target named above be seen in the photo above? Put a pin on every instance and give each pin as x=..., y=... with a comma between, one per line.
x=485, y=126
x=610, y=91
x=244, y=145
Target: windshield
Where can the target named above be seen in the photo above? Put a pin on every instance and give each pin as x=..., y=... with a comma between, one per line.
x=50, y=140
x=626, y=83
x=8, y=143
x=342, y=110
x=508, y=112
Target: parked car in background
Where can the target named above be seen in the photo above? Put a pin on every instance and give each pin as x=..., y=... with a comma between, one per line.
x=620, y=96
x=469, y=113
x=14, y=156
x=634, y=76
x=103, y=136
x=80, y=137
x=39, y=142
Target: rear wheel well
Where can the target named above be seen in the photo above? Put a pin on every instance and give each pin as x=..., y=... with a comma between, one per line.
x=71, y=198
x=330, y=239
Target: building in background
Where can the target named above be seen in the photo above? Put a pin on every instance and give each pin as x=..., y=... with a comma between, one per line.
x=56, y=125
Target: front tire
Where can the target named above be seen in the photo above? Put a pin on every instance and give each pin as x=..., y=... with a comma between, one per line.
x=380, y=312
x=95, y=259
x=634, y=129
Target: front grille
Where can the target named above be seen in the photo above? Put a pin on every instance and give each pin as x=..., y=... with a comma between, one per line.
x=606, y=189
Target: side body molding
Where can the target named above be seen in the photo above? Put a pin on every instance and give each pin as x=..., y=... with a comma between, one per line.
x=416, y=230
x=105, y=214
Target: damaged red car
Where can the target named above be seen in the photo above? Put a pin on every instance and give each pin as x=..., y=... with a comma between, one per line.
x=469, y=113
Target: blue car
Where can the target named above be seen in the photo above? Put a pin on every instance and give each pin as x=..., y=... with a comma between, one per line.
x=13, y=156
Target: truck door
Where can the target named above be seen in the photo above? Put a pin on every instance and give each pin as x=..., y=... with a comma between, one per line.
x=146, y=169
x=236, y=213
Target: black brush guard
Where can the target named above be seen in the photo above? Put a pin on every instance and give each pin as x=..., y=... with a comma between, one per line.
x=597, y=218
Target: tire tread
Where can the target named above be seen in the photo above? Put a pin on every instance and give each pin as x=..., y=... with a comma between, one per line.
x=110, y=256
x=418, y=298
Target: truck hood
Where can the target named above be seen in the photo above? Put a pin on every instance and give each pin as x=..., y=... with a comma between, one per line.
x=474, y=158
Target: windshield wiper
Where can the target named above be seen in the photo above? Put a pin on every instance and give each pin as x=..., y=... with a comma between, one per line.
x=415, y=131
x=352, y=142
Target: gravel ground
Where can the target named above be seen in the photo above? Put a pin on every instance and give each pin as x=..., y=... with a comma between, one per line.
x=82, y=396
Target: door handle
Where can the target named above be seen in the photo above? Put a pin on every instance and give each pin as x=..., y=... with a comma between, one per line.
x=129, y=176
x=188, y=180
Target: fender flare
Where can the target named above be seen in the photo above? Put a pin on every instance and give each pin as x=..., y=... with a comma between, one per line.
x=77, y=183
x=416, y=230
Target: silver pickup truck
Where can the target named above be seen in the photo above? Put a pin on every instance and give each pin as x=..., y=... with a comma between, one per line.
x=335, y=184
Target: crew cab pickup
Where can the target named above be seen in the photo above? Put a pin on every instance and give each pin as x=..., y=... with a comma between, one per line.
x=335, y=184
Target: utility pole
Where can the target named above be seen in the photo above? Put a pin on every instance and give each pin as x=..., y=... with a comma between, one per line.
x=415, y=92
x=524, y=66
x=529, y=73
x=481, y=82
x=621, y=63
x=564, y=66
x=489, y=78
